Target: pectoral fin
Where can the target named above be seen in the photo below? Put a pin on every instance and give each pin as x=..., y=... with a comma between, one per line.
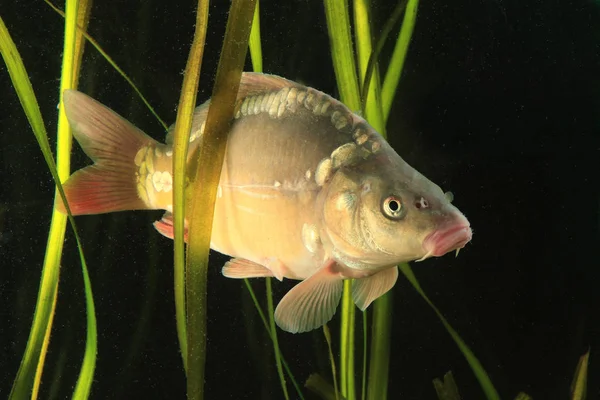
x=240, y=268
x=312, y=302
x=365, y=290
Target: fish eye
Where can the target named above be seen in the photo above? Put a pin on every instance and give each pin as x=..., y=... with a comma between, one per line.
x=392, y=207
x=449, y=196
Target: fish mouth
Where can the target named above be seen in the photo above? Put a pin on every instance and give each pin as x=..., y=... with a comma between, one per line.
x=443, y=241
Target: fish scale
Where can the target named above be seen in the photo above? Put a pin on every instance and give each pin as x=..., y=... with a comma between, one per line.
x=266, y=181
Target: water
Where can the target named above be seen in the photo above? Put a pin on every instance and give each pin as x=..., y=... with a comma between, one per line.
x=498, y=103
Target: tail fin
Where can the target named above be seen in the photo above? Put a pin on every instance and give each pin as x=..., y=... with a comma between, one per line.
x=112, y=143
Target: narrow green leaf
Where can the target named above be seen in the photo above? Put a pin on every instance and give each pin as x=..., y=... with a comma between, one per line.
x=183, y=124
x=394, y=71
x=274, y=339
x=86, y=374
x=385, y=31
x=24, y=383
x=257, y=65
x=205, y=181
x=338, y=26
x=363, y=390
x=381, y=330
x=267, y=327
x=112, y=63
x=478, y=370
x=371, y=107
x=28, y=378
x=255, y=45
x=81, y=11
x=579, y=385
x=20, y=80
x=347, y=319
x=342, y=53
x=327, y=335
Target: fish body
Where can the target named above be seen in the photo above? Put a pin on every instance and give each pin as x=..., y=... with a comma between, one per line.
x=308, y=191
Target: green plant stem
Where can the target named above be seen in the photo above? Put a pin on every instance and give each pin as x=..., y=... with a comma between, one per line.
x=579, y=383
x=364, y=49
x=274, y=338
x=25, y=381
x=363, y=390
x=28, y=379
x=255, y=44
x=257, y=65
x=340, y=42
x=86, y=374
x=266, y=325
x=347, y=387
x=380, y=338
x=385, y=31
x=338, y=26
x=182, y=128
x=380, y=348
x=327, y=335
x=204, y=184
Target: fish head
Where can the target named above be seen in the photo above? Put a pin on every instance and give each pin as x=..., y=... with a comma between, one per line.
x=376, y=215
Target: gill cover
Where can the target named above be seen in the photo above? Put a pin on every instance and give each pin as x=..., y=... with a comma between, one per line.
x=379, y=215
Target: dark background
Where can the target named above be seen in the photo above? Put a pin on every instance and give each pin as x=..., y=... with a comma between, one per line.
x=499, y=102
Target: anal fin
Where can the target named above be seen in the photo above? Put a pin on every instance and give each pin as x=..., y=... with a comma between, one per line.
x=366, y=290
x=238, y=268
x=312, y=302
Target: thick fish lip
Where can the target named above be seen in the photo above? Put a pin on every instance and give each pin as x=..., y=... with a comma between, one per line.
x=443, y=241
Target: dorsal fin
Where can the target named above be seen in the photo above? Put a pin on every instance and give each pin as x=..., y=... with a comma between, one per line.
x=252, y=83
x=255, y=83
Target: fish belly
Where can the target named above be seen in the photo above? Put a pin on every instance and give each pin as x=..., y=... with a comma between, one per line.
x=264, y=227
x=267, y=194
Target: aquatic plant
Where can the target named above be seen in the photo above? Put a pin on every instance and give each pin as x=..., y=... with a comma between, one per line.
x=206, y=178
x=30, y=371
x=360, y=87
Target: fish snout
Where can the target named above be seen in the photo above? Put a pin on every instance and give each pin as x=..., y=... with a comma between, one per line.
x=451, y=236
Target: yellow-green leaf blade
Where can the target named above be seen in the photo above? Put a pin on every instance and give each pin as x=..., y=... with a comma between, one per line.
x=204, y=185
x=255, y=44
x=28, y=377
x=394, y=71
x=24, y=384
x=78, y=15
x=338, y=26
x=579, y=385
x=381, y=331
x=342, y=54
x=364, y=49
x=183, y=124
